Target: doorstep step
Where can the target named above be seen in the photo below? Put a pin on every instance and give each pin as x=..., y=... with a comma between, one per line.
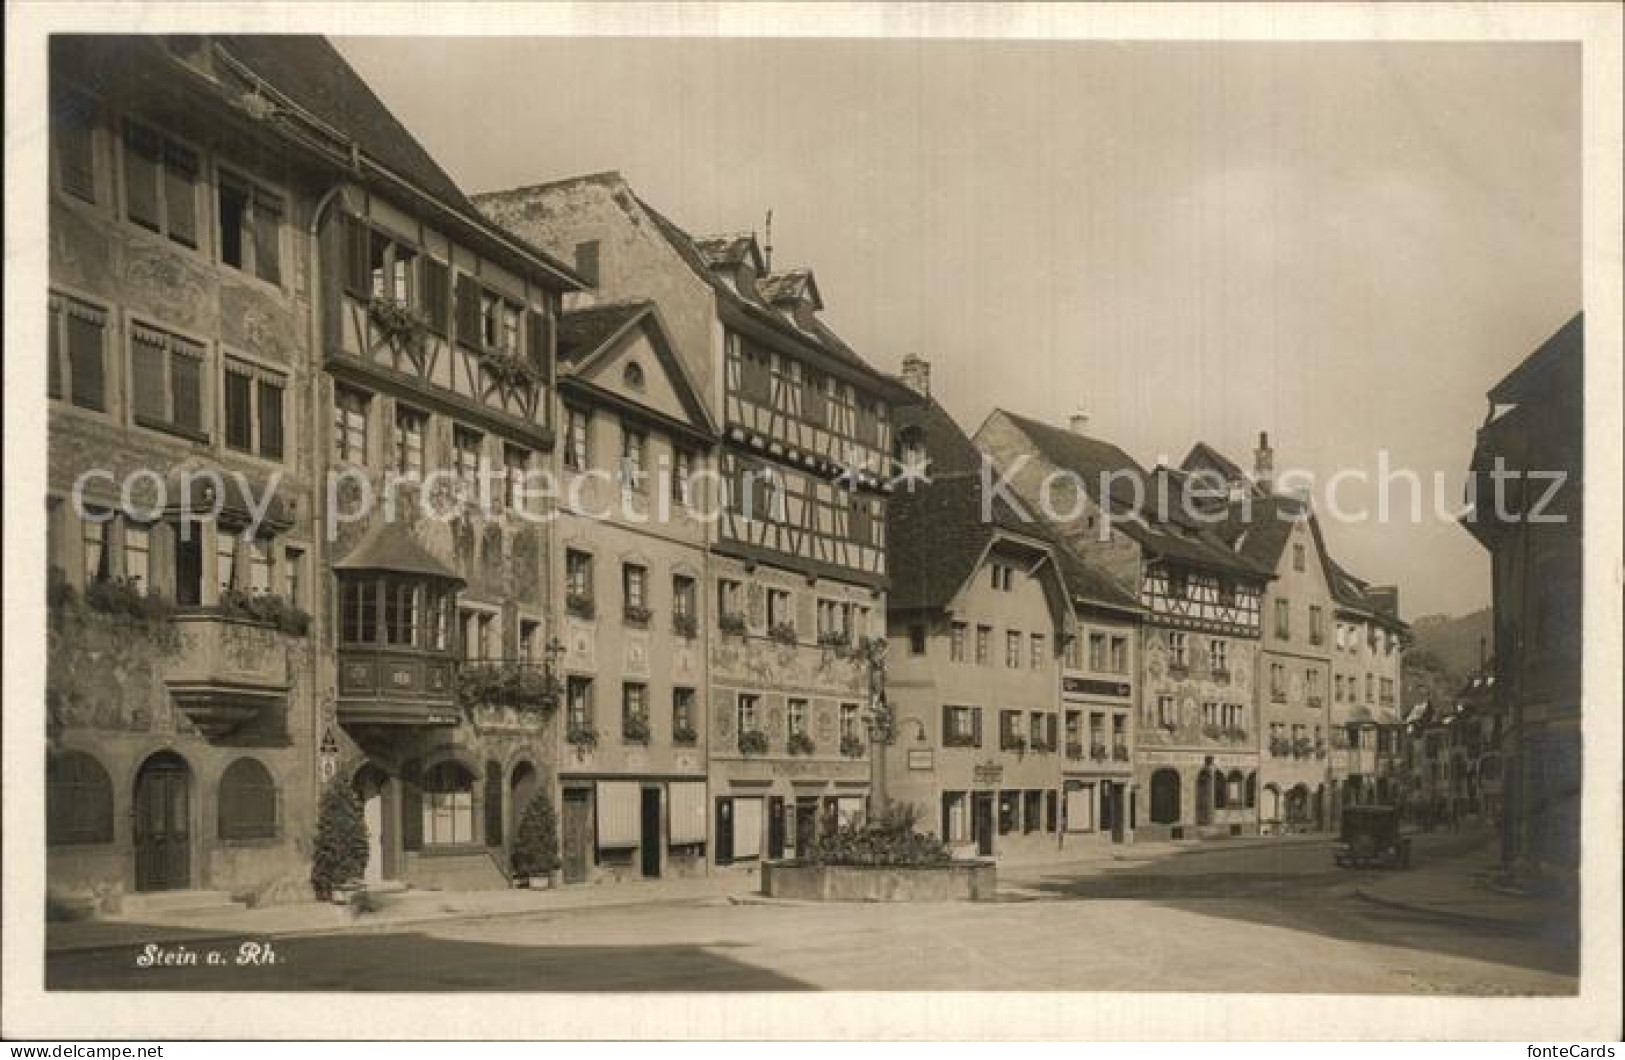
x=138, y=906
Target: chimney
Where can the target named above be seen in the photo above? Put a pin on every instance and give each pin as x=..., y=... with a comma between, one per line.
x=917, y=374
x=1263, y=461
x=1078, y=422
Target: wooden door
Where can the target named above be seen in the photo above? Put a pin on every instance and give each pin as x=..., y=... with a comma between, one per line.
x=649, y=832
x=775, y=827
x=163, y=813
x=983, y=820
x=577, y=835
x=806, y=825
x=725, y=831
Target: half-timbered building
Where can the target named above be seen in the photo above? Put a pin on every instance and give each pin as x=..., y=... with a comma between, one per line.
x=797, y=562
x=1196, y=754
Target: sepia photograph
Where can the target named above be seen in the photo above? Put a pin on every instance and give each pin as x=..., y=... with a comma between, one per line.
x=671, y=509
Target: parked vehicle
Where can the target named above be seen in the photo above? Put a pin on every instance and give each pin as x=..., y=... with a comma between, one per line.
x=1370, y=838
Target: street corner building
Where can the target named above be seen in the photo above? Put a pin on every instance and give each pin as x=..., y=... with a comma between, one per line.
x=1531, y=526
x=256, y=272
x=796, y=565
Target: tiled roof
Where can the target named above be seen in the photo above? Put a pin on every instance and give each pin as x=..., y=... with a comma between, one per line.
x=583, y=331
x=390, y=546
x=312, y=74
x=1202, y=453
x=948, y=448
x=1133, y=502
x=1259, y=527
x=1093, y=586
x=936, y=536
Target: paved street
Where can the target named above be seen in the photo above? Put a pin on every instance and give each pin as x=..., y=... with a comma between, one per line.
x=1276, y=919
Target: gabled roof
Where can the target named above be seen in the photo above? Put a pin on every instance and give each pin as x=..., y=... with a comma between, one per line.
x=390, y=547
x=947, y=447
x=590, y=334
x=937, y=539
x=1259, y=527
x=1091, y=586
x=1204, y=455
x=1560, y=353
x=1133, y=500
x=310, y=72
x=749, y=303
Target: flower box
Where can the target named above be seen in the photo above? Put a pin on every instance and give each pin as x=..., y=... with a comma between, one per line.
x=732, y=623
x=1120, y=754
x=636, y=616
x=1074, y=751
x=1013, y=743
x=635, y=729
x=685, y=736
x=851, y=747
x=685, y=626
x=784, y=633
x=579, y=605
x=753, y=742
x=800, y=744
x=959, y=739
x=583, y=737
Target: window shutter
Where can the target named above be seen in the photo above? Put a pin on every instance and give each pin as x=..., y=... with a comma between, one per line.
x=270, y=419
x=357, y=249
x=180, y=194
x=267, y=237
x=1049, y=730
x=148, y=381
x=239, y=424
x=436, y=294
x=976, y=726
x=74, y=130
x=468, y=310
x=947, y=722
x=53, y=340
x=539, y=343
x=141, y=162
x=85, y=350
x=186, y=386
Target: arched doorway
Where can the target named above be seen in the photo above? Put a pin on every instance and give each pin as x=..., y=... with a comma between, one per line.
x=371, y=787
x=1165, y=796
x=163, y=824
x=1297, y=804
x=1271, y=810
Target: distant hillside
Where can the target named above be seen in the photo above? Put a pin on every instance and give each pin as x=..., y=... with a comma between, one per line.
x=1456, y=640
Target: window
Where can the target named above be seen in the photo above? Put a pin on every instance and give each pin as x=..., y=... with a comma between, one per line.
x=682, y=477
x=1012, y=649
x=160, y=184
x=961, y=726
x=1178, y=585
x=1297, y=558
x=634, y=589
x=1317, y=625
x=259, y=565
x=466, y=446
x=1003, y=577
x=1167, y=712
x=1368, y=688
x=632, y=375
x=403, y=603
x=1031, y=807
x=749, y=712
x=515, y=467
x=1283, y=619
x=956, y=642
x=634, y=459
x=586, y=261
x=1035, y=729
x=578, y=704
x=248, y=801
x=530, y=640
x=1097, y=734
x=1210, y=714
x=1073, y=651
x=482, y=635
x=410, y=427
x=138, y=555
x=1119, y=658
x=576, y=456
x=984, y=649
x=916, y=639
x=391, y=269
x=578, y=581
x=1036, y=650
x=685, y=597
x=1312, y=683
x=634, y=709
x=448, y=805
x=797, y=714
x=1097, y=652
x=250, y=229
x=779, y=612
x=849, y=722
x=75, y=346
x=1337, y=687
x=499, y=322
x=1009, y=738
x=833, y=619
x=682, y=714
x=1009, y=811
x=730, y=599
x=1176, y=650
x=253, y=409
x=350, y=411
x=358, y=611
x=1277, y=682
x=225, y=560
x=167, y=381
x=188, y=563
x=73, y=142
x=78, y=800
x=1218, y=652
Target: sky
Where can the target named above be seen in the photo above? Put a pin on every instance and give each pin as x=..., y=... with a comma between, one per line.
x=1344, y=245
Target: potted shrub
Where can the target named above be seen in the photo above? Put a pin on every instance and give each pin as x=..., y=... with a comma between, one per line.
x=784, y=633
x=835, y=639
x=536, y=843
x=851, y=746
x=753, y=741
x=685, y=626
x=582, y=737
x=733, y=623
x=339, y=855
x=579, y=604
x=800, y=744
x=636, y=616
x=685, y=735
x=635, y=729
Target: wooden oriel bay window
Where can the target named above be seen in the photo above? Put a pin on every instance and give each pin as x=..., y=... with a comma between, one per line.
x=396, y=611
